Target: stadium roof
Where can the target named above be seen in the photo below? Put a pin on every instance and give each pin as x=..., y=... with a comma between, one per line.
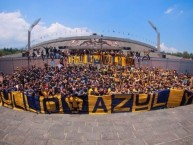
x=93, y=41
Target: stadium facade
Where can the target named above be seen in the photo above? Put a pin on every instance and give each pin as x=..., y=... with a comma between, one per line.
x=96, y=42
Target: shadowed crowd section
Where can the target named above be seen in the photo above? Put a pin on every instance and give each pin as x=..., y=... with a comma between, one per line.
x=90, y=104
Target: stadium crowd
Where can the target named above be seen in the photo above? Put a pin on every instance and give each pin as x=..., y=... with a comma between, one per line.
x=90, y=80
x=52, y=52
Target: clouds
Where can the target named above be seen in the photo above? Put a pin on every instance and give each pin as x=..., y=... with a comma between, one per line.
x=14, y=29
x=169, y=10
x=173, y=10
x=167, y=49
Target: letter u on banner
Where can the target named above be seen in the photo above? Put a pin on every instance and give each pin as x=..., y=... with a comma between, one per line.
x=6, y=99
x=99, y=104
x=18, y=100
x=51, y=104
x=142, y=102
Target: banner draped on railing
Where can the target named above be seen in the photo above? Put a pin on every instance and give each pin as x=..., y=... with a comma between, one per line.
x=6, y=99
x=32, y=103
x=96, y=104
x=99, y=104
x=104, y=59
x=75, y=104
x=18, y=100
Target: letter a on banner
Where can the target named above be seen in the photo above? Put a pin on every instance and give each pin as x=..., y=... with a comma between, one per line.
x=99, y=105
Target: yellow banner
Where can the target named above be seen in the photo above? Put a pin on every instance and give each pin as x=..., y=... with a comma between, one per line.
x=123, y=61
x=6, y=98
x=51, y=104
x=122, y=103
x=0, y=100
x=74, y=103
x=30, y=103
x=18, y=100
x=96, y=58
x=99, y=104
x=85, y=59
x=116, y=60
x=175, y=98
x=69, y=59
x=96, y=104
x=107, y=59
x=76, y=59
x=142, y=102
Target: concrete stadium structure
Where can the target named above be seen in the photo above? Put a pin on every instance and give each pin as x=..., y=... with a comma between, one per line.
x=9, y=63
x=96, y=42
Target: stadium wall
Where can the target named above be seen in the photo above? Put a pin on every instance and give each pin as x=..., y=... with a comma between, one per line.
x=180, y=65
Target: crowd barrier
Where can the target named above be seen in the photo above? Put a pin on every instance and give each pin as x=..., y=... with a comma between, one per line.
x=98, y=59
x=96, y=104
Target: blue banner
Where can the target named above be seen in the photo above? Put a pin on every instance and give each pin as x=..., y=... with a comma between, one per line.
x=84, y=104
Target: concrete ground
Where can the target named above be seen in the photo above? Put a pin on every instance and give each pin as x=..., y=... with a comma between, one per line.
x=162, y=127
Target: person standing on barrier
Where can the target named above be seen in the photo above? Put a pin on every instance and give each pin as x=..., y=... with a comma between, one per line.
x=51, y=52
x=42, y=55
x=33, y=54
x=47, y=51
x=137, y=55
x=55, y=52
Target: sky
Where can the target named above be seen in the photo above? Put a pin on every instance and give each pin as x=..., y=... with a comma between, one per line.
x=117, y=18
